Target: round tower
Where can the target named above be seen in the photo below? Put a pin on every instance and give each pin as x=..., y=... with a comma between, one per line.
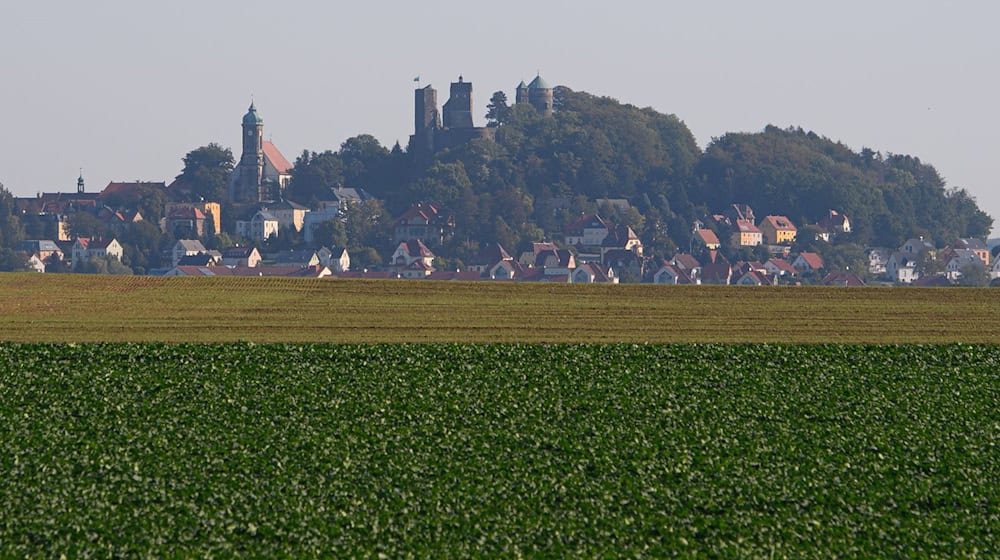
x=521, y=95
x=540, y=96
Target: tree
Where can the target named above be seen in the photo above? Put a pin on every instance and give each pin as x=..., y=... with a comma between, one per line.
x=11, y=230
x=12, y=261
x=107, y=265
x=314, y=174
x=974, y=274
x=85, y=224
x=498, y=112
x=207, y=171
x=331, y=233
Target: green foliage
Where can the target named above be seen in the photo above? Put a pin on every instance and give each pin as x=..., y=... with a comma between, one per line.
x=105, y=265
x=974, y=274
x=85, y=224
x=12, y=261
x=11, y=230
x=498, y=111
x=207, y=171
x=314, y=174
x=498, y=451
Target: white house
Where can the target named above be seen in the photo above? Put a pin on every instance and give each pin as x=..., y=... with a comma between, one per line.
x=902, y=267
x=85, y=248
x=185, y=248
x=960, y=258
x=262, y=226
x=671, y=274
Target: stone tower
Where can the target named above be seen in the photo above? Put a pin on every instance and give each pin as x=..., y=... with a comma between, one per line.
x=425, y=110
x=540, y=96
x=521, y=95
x=250, y=185
x=458, y=109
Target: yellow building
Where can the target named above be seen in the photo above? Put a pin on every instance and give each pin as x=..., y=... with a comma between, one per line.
x=745, y=234
x=778, y=230
x=212, y=211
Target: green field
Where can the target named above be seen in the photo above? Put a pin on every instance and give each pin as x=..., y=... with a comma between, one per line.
x=80, y=308
x=499, y=450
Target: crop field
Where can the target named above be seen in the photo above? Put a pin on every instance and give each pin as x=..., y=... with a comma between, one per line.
x=433, y=451
x=83, y=308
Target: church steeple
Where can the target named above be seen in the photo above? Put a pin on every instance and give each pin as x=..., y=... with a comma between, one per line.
x=79, y=183
x=250, y=187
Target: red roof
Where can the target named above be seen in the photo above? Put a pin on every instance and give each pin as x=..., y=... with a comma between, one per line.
x=814, y=261
x=746, y=226
x=416, y=248
x=780, y=223
x=277, y=160
x=708, y=237
x=122, y=188
x=187, y=213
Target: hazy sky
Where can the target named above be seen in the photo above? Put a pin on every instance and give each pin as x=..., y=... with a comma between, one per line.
x=125, y=88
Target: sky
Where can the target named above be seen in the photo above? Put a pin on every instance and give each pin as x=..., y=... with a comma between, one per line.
x=123, y=89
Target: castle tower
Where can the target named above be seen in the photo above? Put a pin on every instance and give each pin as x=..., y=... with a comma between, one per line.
x=458, y=109
x=425, y=109
x=250, y=185
x=521, y=95
x=540, y=96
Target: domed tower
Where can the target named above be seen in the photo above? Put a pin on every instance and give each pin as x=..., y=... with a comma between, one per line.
x=540, y=96
x=250, y=179
x=521, y=95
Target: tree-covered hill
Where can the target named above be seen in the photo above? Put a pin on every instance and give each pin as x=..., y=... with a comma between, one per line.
x=803, y=175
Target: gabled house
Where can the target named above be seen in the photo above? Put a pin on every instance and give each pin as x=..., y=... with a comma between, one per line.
x=201, y=259
x=717, y=270
x=342, y=197
x=959, y=259
x=780, y=268
x=594, y=273
x=527, y=258
x=877, y=260
x=560, y=261
x=621, y=237
x=261, y=227
x=212, y=212
x=756, y=278
x=185, y=247
x=488, y=256
x=746, y=234
x=289, y=214
x=672, y=274
x=336, y=259
x=977, y=246
x=917, y=245
x=687, y=263
x=902, y=267
x=778, y=230
x=423, y=221
x=42, y=248
x=185, y=221
x=807, y=262
x=85, y=249
x=506, y=270
x=834, y=224
x=412, y=251
x=244, y=257
x=706, y=238
x=629, y=266
x=588, y=230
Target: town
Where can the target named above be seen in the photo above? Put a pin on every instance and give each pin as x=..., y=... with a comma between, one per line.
x=255, y=226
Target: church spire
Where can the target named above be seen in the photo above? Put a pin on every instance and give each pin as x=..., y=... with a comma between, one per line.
x=79, y=183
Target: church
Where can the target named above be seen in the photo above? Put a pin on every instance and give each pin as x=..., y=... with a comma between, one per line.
x=262, y=173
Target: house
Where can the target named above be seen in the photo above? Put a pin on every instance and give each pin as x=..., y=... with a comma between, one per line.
x=706, y=238
x=285, y=271
x=746, y=234
x=780, y=268
x=977, y=246
x=185, y=221
x=833, y=224
x=594, y=273
x=314, y=219
x=336, y=259
x=425, y=222
x=412, y=251
x=739, y=212
x=902, y=267
x=118, y=221
x=212, y=212
x=756, y=278
x=588, y=230
x=261, y=227
x=342, y=197
x=621, y=237
x=244, y=257
x=41, y=248
x=292, y=257
x=559, y=261
x=527, y=258
x=630, y=266
x=288, y=213
x=807, y=262
x=185, y=247
x=33, y=263
x=672, y=274
x=416, y=269
x=959, y=259
x=85, y=249
x=877, y=260
x=687, y=263
x=506, y=270
x=488, y=256
x=918, y=245
x=717, y=270
x=995, y=269
x=778, y=230
x=848, y=279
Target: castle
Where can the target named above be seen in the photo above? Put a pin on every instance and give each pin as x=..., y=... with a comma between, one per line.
x=433, y=134
x=262, y=173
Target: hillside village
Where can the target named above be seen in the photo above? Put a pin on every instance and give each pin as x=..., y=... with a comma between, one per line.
x=257, y=229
